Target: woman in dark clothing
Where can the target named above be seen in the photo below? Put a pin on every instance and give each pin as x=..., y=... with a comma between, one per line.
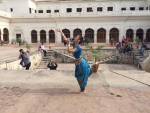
x=52, y=65
x=25, y=59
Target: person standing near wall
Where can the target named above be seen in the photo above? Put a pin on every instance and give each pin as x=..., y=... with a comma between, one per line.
x=25, y=59
x=42, y=49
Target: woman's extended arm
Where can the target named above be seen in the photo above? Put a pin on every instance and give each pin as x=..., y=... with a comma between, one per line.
x=63, y=35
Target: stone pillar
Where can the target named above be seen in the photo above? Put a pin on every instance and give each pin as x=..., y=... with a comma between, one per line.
x=122, y=34
x=134, y=33
x=38, y=36
x=144, y=35
x=107, y=36
x=58, y=37
x=95, y=36
x=47, y=37
x=2, y=35
x=83, y=32
x=71, y=33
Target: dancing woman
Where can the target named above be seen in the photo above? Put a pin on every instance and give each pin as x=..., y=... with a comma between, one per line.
x=82, y=68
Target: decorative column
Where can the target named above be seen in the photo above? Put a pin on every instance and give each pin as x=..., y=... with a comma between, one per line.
x=95, y=36
x=47, y=37
x=144, y=35
x=71, y=33
x=83, y=32
x=2, y=35
x=38, y=36
x=122, y=34
x=57, y=37
x=107, y=36
x=134, y=38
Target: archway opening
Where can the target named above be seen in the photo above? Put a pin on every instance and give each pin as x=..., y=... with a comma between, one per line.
x=77, y=32
x=66, y=33
x=89, y=35
x=140, y=34
x=5, y=35
x=148, y=35
x=34, y=36
x=101, y=36
x=130, y=35
x=114, y=35
x=43, y=36
x=51, y=36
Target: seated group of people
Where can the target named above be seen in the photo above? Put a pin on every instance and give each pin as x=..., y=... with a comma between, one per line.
x=125, y=46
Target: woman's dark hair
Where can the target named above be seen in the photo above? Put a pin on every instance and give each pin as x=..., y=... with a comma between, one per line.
x=21, y=50
x=81, y=39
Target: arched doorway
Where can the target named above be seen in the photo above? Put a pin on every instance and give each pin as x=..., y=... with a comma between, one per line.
x=140, y=34
x=5, y=35
x=77, y=32
x=66, y=33
x=130, y=35
x=34, y=36
x=101, y=35
x=51, y=36
x=114, y=35
x=148, y=35
x=89, y=35
x=43, y=36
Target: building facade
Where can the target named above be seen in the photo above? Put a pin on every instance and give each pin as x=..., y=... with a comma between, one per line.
x=98, y=21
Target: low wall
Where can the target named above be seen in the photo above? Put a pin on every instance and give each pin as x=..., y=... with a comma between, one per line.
x=15, y=65
x=146, y=64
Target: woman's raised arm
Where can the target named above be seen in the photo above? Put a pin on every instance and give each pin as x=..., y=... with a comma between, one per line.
x=63, y=35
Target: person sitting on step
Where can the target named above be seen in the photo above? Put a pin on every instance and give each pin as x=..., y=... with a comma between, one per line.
x=52, y=65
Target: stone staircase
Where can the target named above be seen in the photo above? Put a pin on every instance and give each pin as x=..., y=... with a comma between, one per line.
x=133, y=57
x=53, y=54
x=63, y=57
x=138, y=58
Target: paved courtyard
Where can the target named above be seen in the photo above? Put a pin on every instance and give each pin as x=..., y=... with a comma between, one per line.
x=114, y=89
x=44, y=91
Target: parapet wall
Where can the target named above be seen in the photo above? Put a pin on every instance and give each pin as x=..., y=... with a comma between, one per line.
x=15, y=65
x=146, y=64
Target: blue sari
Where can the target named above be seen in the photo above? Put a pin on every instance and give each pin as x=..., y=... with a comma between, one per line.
x=82, y=70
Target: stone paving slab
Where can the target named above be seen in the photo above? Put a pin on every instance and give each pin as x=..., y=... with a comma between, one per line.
x=141, y=76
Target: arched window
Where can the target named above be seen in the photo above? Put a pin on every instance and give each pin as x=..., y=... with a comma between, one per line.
x=114, y=35
x=66, y=32
x=89, y=35
x=101, y=35
x=51, y=36
x=5, y=35
x=130, y=35
x=43, y=36
x=140, y=34
x=34, y=36
x=148, y=35
x=77, y=32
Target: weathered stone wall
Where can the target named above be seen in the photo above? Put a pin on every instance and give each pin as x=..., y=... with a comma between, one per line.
x=15, y=65
x=146, y=64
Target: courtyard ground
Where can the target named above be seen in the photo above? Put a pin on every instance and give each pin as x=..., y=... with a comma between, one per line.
x=114, y=89
x=44, y=91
